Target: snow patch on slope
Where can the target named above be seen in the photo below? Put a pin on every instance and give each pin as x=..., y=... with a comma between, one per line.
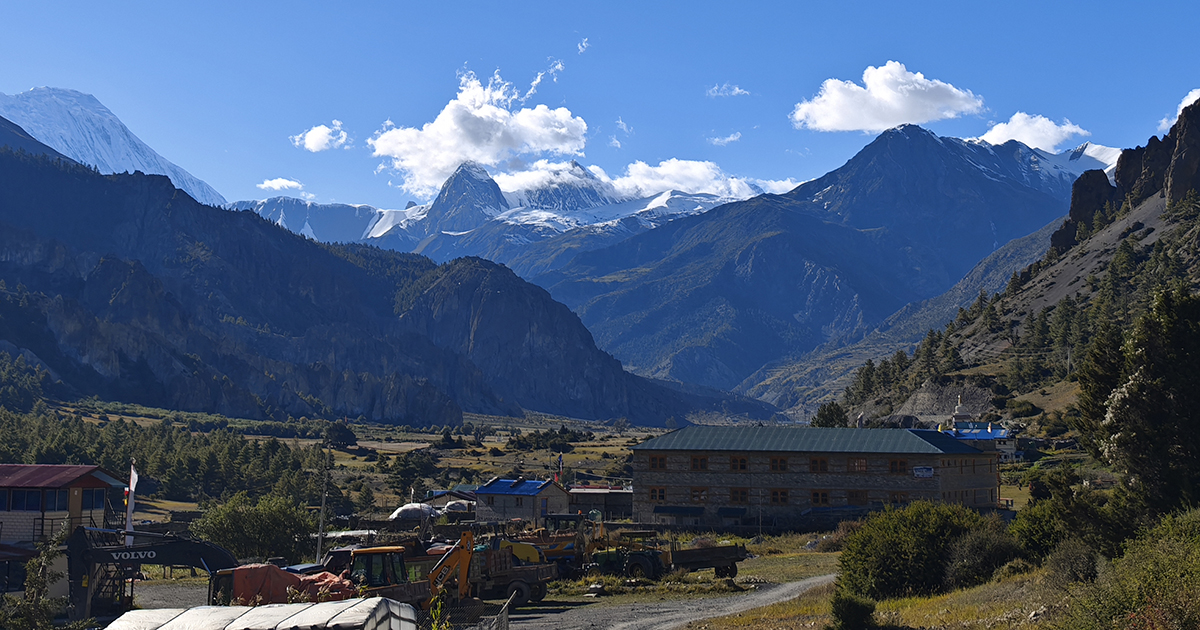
x=80, y=127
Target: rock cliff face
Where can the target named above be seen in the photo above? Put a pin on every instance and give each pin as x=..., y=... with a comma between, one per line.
x=1169, y=167
x=131, y=290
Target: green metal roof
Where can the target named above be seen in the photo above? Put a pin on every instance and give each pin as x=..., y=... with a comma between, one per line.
x=806, y=440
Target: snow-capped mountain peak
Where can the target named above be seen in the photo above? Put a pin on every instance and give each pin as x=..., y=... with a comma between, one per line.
x=79, y=126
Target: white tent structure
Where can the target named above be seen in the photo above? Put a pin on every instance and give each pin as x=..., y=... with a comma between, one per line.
x=375, y=613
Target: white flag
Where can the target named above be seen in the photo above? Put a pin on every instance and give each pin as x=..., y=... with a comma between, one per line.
x=133, y=479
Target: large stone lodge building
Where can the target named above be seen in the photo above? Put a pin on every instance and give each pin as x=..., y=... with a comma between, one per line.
x=726, y=476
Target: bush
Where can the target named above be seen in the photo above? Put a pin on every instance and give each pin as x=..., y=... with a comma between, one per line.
x=1153, y=585
x=851, y=612
x=1020, y=566
x=975, y=555
x=1038, y=528
x=836, y=540
x=903, y=552
x=1072, y=562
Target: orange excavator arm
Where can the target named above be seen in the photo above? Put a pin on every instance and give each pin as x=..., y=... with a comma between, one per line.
x=458, y=558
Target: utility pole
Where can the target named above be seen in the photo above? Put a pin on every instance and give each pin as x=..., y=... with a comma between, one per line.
x=324, y=493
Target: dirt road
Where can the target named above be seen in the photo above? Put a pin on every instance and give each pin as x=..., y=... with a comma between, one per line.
x=662, y=615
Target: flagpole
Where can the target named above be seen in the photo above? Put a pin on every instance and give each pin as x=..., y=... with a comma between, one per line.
x=133, y=479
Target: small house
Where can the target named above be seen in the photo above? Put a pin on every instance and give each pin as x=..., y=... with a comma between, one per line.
x=527, y=499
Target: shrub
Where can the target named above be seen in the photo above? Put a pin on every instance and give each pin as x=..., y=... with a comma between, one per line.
x=1070, y=563
x=851, y=612
x=1038, y=528
x=836, y=540
x=903, y=552
x=975, y=555
x=1153, y=585
x=1020, y=566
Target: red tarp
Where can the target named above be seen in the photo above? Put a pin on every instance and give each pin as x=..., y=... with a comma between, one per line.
x=268, y=584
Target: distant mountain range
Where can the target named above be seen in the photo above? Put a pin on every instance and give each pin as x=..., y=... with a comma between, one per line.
x=531, y=231
x=126, y=288
x=713, y=298
x=81, y=128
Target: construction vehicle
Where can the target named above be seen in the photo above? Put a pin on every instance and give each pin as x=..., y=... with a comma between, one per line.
x=100, y=565
x=371, y=572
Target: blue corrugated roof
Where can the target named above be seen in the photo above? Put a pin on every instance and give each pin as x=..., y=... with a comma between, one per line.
x=981, y=434
x=805, y=440
x=523, y=487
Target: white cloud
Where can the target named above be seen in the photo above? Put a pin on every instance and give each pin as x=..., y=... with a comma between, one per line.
x=556, y=66
x=280, y=183
x=321, y=137
x=613, y=142
x=890, y=96
x=621, y=124
x=1165, y=124
x=733, y=137
x=692, y=176
x=726, y=90
x=1035, y=131
x=584, y=45
x=479, y=125
x=308, y=196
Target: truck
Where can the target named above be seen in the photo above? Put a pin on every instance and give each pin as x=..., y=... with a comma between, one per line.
x=722, y=559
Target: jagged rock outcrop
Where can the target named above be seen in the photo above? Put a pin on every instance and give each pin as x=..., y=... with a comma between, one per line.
x=1183, y=175
x=1089, y=194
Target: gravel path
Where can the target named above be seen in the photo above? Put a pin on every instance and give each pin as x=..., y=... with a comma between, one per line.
x=659, y=615
x=170, y=594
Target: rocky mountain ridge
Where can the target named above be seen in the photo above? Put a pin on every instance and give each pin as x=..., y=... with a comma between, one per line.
x=131, y=290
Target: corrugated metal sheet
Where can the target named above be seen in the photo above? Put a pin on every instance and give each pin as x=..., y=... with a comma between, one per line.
x=524, y=487
x=52, y=476
x=806, y=440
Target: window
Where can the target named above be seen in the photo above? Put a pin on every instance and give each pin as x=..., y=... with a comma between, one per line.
x=658, y=462
x=519, y=501
x=658, y=495
x=856, y=464
x=491, y=501
x=778, y=464
x=699, y=495
x=93, y=499
x=3, y=500
x=739, y=495
x=856, y=497
x=545, y=506
x=56, y=501
x=898, y=466
x=699, y=463
x=27, y=500
x=737, y=463
x=818, y=465
x=820, y=497
x=779, y=497
x=897, y=497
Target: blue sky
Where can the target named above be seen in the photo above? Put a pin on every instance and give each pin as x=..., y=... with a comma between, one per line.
x=223, y=89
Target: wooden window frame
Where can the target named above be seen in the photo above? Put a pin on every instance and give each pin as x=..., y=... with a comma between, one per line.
x=857, y=497
x=658, y=462
x=738, y=462
x=779, y=496
x=856, y=464
x=779, y=464
x=818, y=465
x=699, y=462
x=898, y=466
x=819, y=498
x=700, y=494
x=897, y=498
x=658, y=495
x=740, y=496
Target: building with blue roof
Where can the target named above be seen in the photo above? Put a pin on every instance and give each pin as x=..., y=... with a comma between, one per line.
x=527, y=499
x=788, y=476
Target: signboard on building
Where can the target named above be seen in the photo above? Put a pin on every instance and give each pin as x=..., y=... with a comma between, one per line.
x=923, y=472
